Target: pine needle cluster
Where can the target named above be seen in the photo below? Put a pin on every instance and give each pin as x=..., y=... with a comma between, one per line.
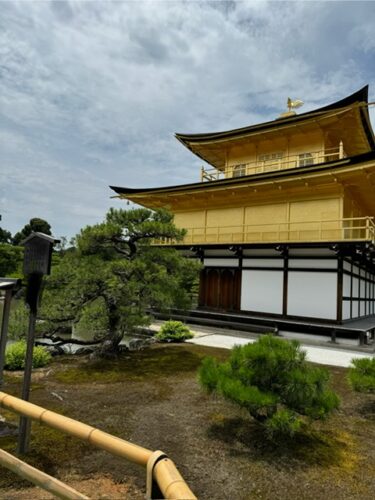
x=362, y=375
x=272, y=380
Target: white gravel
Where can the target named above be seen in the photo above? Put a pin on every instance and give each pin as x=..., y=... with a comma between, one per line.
x=326, y=356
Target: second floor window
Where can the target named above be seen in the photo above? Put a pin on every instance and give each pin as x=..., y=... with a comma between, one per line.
x=305, y=159
x=270, y=157
x=239, y=170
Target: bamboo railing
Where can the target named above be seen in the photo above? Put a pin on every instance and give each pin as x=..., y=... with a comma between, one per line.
x=162, y=473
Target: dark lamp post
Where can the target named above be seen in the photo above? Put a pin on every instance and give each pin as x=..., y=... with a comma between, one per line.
x=37, y=263
x=38, y=253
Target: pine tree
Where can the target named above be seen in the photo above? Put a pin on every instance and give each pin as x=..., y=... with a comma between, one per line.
x=273, y=382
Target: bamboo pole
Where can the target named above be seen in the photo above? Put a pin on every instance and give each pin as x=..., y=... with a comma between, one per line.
x=39, y=478
x=170, y=481
x=98, y=438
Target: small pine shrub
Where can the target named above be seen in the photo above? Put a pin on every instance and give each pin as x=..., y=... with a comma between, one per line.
x=272, y=380
x=174, y=331
x=15, y=356
x=362, y=374
x=282, y=423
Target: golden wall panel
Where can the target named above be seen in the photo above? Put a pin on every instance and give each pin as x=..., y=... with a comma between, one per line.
x=190, y=219
x=225, y=217
x=315, y=210
x=266, y=213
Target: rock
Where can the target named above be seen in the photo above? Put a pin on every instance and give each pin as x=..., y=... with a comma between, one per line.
x=54, y=350
x=8, y=429
x=105, y=350
x=82, y=351
x=140, y=343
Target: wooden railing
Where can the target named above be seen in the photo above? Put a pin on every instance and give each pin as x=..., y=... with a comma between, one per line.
x=285, y=162
x=349, y=229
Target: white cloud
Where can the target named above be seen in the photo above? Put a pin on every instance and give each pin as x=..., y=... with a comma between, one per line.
x=92, y=92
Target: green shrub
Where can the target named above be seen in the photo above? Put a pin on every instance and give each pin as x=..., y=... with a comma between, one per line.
x=362, y=374
x=93, y=320
x=272, y=380
x=174, y=331
x=18, y=320
x=15, y=356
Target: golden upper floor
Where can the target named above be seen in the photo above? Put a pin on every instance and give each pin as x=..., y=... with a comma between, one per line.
x=308, y=177
x=316, y=137
x=315, y=204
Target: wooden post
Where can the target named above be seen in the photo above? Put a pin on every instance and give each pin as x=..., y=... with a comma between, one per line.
x=341, y=150
x=4, y=331
x=25, y=424
x=340, y=268
x=36, y=264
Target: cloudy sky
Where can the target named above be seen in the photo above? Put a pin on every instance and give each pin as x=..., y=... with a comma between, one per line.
x=91, y=93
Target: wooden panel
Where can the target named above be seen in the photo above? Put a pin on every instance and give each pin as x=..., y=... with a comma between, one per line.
x=220, y=289
x=212, y=288
x=226, y=290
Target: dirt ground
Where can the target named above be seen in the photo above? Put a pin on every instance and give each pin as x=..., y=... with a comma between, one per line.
x=152, y=398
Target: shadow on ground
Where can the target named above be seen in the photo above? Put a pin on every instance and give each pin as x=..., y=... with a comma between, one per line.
x=246, y=438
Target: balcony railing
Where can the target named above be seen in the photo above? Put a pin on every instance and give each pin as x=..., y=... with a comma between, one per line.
x=350, y=229
x=285, y=162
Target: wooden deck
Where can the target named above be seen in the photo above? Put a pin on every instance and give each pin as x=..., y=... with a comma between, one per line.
x=354, y=329
x=367, y=324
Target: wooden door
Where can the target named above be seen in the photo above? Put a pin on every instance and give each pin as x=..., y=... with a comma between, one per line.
x=220, y=289
x=212, y=288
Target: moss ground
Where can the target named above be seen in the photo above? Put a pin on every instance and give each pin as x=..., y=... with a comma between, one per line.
x=152, y=398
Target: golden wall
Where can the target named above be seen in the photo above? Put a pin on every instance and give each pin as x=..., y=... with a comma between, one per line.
x=250, y=153
x=296, y=220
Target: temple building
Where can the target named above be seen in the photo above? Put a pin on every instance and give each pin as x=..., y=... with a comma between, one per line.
x=283, y=220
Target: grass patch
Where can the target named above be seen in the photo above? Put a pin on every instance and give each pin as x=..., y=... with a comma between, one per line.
x=49, y=449
x=137, y=366
x=307, y=448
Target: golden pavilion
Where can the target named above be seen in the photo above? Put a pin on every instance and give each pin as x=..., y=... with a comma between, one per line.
x=283, y=219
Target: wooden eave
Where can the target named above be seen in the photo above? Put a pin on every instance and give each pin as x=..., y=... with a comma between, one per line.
x=211, y=147
x=356, y=174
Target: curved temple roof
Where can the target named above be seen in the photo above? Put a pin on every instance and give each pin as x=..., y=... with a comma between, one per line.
x=199, y=144
x=361, y=96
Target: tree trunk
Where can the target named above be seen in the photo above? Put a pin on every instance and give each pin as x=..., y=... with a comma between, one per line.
x=111, y=346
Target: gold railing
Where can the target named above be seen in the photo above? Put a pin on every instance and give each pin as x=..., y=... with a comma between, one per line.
x=349, y=229
x=286, y=162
